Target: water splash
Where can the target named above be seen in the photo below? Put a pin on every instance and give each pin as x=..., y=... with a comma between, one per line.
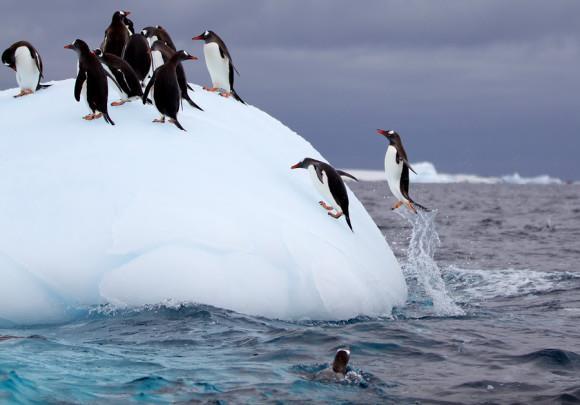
x=426, y=286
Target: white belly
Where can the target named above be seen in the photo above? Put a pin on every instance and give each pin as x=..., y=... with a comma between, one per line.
x=393, y=172
x=156, y=59
x=323, y=188
x=218, y=67
x=27, y=73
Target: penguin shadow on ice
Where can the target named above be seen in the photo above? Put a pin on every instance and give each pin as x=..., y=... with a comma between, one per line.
x=25, y=60
x=328, y=181
x=397, y=168
x=219, y=64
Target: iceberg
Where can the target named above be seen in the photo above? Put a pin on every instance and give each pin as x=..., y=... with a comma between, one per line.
x=142, y=213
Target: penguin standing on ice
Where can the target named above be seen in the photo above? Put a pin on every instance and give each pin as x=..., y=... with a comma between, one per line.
x=129, y=24
x=126, y=80
x=117, y=34
x=166, y=92
x=166, y=53
x=219, y=64
x=25, y=60
x=91, y=83
x=327, y=180
x=397, y=170
x=138, y=55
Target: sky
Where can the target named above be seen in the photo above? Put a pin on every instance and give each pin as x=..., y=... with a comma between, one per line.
x=484, y=87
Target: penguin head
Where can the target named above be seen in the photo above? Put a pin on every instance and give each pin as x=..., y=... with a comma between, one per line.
x=303, y=164
x=340, y=362
x=182, y=55
x=98, y=52
x=79, y=46
x=206, y=36
x=391, y=135
x=120, y=16
x=9, y=59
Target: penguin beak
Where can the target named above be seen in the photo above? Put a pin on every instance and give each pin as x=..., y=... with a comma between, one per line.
x=126, y=13
x=69, y=46
x=296, y=166
x=199, y=37
x=381, y=132
x=191, y=57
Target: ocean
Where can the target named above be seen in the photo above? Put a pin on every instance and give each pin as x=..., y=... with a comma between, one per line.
x=493, y=316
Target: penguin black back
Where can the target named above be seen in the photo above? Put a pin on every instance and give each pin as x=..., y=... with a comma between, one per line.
x=125, y=77
x=158, y=33
x=138, y=55
x=117, y=34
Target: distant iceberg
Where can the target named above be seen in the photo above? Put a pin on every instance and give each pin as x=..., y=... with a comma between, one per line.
x=141, y=213
x=426, y=173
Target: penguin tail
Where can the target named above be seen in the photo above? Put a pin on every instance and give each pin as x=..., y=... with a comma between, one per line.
x=189, y=87
x=347, y=217
x=43, y=86
x=421, y=207
x=178, y=125
x=191, y=103
x=237, y=97
x=107, y=118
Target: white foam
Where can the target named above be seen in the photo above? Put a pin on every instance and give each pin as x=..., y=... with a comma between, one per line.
x=141, y=213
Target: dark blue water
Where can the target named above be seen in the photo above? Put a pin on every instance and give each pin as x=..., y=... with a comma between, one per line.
x=493, y=316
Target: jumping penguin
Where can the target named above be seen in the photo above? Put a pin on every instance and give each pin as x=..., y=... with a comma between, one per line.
x=166, y=92
x=327, y=180
x=138, y=55
x=91, y=82
x=166, y=53
x=219, y=64
x=126, y=80
x=117, y=34
x=25, y=60
x=397, y=170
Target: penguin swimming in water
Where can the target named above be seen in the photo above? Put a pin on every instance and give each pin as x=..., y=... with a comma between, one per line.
x=91, y=82
x=339, y=368
x=117, y=34
x=219, y=64
x=397, y=169
x=327, y=180
x=166, y=53
x=126, y=80
x=166, y=92
x=25, y=60
x=138, y=55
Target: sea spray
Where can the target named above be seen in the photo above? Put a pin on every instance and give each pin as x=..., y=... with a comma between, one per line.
x=427, y=290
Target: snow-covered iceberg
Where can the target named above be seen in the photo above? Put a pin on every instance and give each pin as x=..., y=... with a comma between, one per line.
x=426, y=173
x=142, y=213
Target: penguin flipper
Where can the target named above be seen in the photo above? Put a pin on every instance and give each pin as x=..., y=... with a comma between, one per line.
x=107, y=118
x=177, y=124
x=43, y=86
x=347, y=217
x=81, y=78
x=148, y=88
x=345, y=174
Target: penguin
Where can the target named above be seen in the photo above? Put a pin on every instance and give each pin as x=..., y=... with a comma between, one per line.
x=166, y=53
x=339, y=368
x=166, y=92
x=126, y=80
x=138, y=55
x=129, y=24
x=158, y=33
x=328, y=181
x=25, y=60
x=117, y=34
x=219, y=64
x=397, y=170
x=91, y=82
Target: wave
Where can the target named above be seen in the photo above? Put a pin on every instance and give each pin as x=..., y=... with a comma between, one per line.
x=427, y=173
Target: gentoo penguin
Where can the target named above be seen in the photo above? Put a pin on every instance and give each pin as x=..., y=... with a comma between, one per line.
x=219, y=64
x=327, y=180
x=138, y=55
x=91, y=82
x=158, y=33
x=129, y=24
x=161, y=48
x=166, y=93
x=126, y=80
x=25, y=60
x=117, y=34
x=397, y=169
x=339, y=368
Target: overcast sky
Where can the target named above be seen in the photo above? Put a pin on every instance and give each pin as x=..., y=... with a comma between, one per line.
x=487, y=87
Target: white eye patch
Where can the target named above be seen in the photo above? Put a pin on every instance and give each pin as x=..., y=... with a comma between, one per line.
x=206, y=33
x=391, y=132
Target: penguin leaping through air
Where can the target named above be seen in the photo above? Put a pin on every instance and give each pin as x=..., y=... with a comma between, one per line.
x=91, y=83
x=397, y=170
x=25, y=60
x=219, y=64
x=328, y=181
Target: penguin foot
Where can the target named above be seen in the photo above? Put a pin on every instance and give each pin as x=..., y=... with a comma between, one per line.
x=337, y=215
x=159, y=120
x=325, y=206
x=89, y=117
x=397, y=205
x=212, y=89
x=225, y=94
x=23, y=93
x=118, y=103
x=411, y=207
x=97, y=116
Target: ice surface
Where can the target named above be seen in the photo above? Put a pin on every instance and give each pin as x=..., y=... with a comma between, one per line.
x=426, y=173
x=140, y=213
